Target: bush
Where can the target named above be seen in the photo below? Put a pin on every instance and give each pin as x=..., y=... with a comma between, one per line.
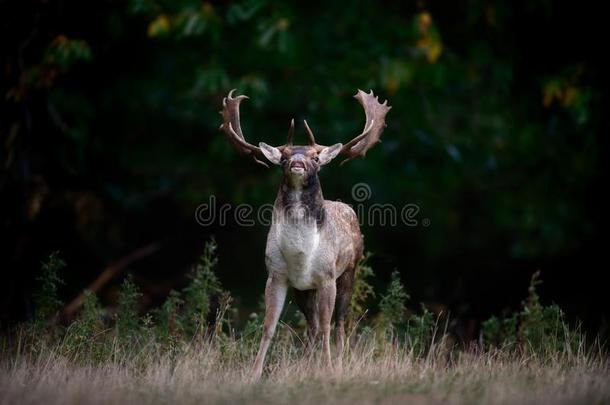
x=421, y=330
x=127, y=320
x=169, y=326
x=198, y=294
x=500, y=331
x=363, y=290
x=203, y=309
x=538, y=329
x=46, y=299
x=392, y=304
x=86, y=333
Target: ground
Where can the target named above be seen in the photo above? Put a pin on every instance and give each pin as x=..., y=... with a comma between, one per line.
x=211, y=373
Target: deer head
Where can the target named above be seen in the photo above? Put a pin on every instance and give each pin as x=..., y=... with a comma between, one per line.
x=303, y=161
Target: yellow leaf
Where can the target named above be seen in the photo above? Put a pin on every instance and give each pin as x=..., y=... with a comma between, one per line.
x=283, y=24
x=551, y=91
x=569, y=96
x=424, y=21
x=159, y=26
x=434, y=52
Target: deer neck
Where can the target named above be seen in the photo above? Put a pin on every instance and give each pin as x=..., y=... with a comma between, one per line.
x=301, y=199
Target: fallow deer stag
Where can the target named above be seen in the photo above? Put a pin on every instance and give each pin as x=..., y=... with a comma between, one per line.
x=313, y=245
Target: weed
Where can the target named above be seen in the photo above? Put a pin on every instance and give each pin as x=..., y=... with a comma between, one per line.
x=86, y=333
x=127, y=321
x=46, y=299
x=392, y=305
x=538, y=329
x=169, y=326
x=363, y=291
x=198, y=294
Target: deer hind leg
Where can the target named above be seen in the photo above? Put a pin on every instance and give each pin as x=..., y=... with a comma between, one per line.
x=326, y=303
x=275, y=294
x=345, y=287
x=306, y=301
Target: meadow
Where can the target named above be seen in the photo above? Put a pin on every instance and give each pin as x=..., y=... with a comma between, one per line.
x=190, y=350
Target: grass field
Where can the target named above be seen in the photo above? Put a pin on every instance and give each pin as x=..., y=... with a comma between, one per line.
x=174, y=354
x=213, y=373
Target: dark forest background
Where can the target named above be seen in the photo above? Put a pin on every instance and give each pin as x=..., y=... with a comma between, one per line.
x=110, y=141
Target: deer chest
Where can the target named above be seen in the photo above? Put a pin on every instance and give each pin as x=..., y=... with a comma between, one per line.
x=299, y=244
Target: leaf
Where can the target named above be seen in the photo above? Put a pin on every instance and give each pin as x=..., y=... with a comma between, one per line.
x=159, y=27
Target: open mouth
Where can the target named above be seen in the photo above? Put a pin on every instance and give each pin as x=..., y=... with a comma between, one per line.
x=297, y=167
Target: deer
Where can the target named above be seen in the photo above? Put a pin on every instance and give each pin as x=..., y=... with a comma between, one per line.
x=313, y=245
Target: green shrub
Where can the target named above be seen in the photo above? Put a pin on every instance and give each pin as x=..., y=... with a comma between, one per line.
x=363, y=291
x=169, y=326
x=198, y=294
x=46, y=298
x=543, y=329
x=225, y=315
x=127, y=320
x=500, y=331
x=536, y=328
x=392, y=305
x=86, y=333
x=420, y=331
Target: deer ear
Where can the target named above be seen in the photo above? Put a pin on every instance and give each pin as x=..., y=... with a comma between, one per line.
x=272, y=154
x=329, y=153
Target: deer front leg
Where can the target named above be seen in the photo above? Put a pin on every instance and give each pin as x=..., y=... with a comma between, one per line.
x=327, y=294
x=275, y=293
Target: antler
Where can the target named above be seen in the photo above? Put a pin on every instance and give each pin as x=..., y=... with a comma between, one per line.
x=312, y=139
x=290, y=135
x=375, y=123
x=232, y=128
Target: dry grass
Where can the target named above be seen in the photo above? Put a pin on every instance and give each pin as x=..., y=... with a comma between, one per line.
x=371, y=373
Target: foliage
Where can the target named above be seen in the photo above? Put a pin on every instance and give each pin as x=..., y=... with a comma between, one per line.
x=65, y=52
x=500, y=331
x=46, y=299
x=127, y=320
x=198, y=294
x=363, y=291
x=169, y=325
x=86, y=333
x=392, y=305
x=536, y=328
x=182, y=317
x=394, y=320
x=421, y=330
x=540, y=334
x=110, y=118
x=253, y=329
x=543, y=327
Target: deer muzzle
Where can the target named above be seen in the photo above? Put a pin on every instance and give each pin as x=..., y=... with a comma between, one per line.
x=297, y=164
